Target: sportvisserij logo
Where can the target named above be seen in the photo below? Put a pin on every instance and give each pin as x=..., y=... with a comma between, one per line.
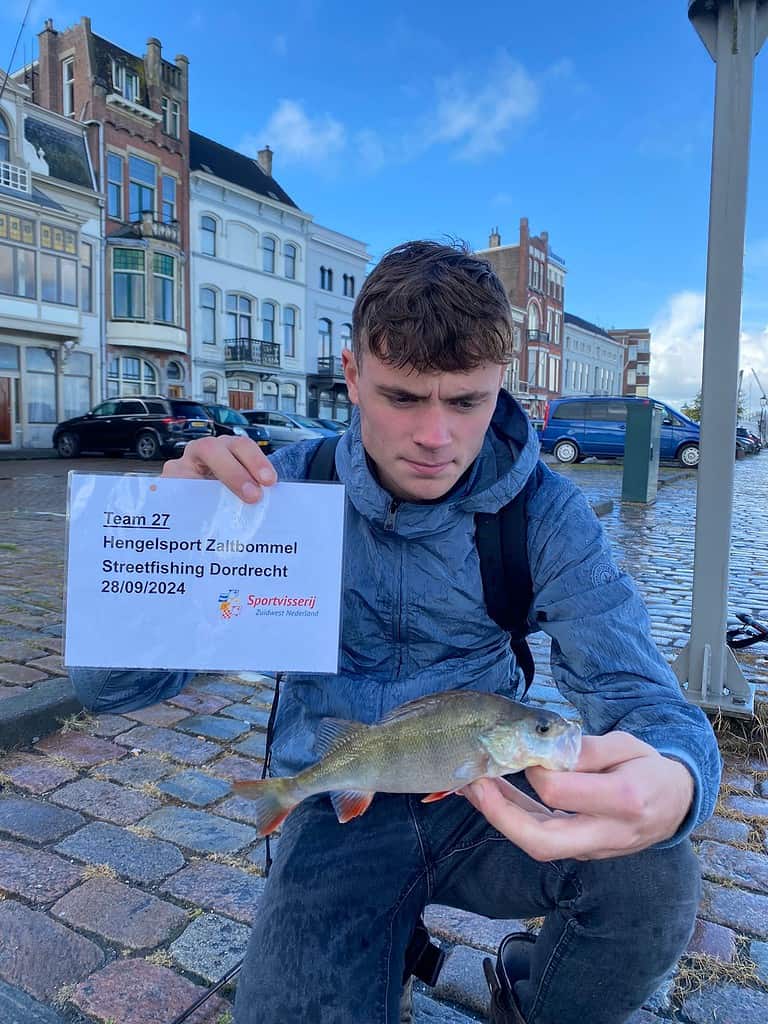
x=229, y=604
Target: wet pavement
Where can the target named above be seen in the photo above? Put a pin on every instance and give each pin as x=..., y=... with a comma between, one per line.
x=129, y=874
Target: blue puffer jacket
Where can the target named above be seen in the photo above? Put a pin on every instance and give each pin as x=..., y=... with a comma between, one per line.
x=414, y=619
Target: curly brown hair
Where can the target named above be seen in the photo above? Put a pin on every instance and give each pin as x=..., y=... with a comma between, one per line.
x=433, y=307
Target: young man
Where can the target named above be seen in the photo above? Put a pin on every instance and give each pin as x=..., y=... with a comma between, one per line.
x=432, y=442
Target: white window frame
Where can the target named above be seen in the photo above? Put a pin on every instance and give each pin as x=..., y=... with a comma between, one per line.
x=68, y=86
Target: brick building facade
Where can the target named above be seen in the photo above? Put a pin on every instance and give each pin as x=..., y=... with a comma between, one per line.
x=637, y=360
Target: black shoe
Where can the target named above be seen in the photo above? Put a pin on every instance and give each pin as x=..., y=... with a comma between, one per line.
x=512, y=965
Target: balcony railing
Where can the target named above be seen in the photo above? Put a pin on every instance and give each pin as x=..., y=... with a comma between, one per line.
x=252, y=350
x=148, y=227
x=14, y=177
x=330, y=366
x=538, y=335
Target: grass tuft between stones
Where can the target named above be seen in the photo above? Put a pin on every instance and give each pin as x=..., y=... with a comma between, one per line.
x=80, y=722
x=701, y=970
x=745, y=738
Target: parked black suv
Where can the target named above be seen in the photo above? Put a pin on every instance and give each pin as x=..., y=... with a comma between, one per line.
x=228, y=421
x=150, y=426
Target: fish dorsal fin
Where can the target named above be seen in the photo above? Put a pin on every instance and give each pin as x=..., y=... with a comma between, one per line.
x=332, y=732
x=350, y=804
x=430, y=702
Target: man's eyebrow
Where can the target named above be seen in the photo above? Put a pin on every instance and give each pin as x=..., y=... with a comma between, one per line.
x=462, y=396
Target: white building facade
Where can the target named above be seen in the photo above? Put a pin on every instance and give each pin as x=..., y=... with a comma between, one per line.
x=51, y=287
x=593, y=361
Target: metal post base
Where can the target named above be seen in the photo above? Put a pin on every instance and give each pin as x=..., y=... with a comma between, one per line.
x=736, y=697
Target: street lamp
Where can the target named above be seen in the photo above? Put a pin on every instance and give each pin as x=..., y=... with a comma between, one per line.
x=733, y=32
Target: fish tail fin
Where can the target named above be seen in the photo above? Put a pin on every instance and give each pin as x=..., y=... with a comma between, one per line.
x=274, y=799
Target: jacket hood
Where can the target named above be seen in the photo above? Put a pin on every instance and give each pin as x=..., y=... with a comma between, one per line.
x=507, y=458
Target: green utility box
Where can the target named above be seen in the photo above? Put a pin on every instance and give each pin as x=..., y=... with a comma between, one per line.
x=641, y=451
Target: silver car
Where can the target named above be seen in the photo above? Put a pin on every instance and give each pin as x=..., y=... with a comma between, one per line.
x=284, y=428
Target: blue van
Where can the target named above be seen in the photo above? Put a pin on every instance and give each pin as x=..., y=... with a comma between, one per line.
x=577, y=427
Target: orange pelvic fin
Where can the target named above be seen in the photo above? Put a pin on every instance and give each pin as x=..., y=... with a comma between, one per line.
x=350, y=804
x=431, y=798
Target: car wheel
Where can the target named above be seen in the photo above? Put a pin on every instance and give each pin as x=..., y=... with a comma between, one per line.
x=147, y=447
x=566, y=451
x=68, y=445
x=688, y=456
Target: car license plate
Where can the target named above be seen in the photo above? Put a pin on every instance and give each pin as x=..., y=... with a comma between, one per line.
x=198, y=423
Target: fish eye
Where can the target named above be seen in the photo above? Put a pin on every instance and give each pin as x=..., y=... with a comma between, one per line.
x=542, y=728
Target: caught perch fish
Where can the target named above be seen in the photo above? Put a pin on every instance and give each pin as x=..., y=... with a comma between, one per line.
x=435, y=745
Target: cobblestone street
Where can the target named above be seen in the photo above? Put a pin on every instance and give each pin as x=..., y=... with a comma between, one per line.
x=129, y=873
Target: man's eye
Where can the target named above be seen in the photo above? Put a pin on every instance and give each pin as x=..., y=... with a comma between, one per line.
x=465, y=403
x=400, y=399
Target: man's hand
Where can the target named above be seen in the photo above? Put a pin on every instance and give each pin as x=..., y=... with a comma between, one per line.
x=237, y=462
x=624, y=796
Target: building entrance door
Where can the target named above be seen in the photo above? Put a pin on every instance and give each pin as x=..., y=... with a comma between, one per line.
x=6, y=418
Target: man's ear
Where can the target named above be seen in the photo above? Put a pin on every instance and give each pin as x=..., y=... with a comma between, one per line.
x=351, y=374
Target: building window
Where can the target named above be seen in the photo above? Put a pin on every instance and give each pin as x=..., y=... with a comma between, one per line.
x=58, y=279
x=128, y=284
x=631, y=378
x=128, y=375
x=125, y=82
x=208, y=236
x=210, y=390
x=269, y=395
x=68, y=87
x=268, y=321
x=239, y=312
x=114, y=186
x=326, y=337
x=17, y=263
x=268, y=248
x=632, y=353
x=169, y=199
x=5, y=141
x=76, y=380
x=163, y=273
x=349, y=286
x=142, y=184
x=288, y=398
x=171, y=117
x=40, y=385
x=208, y=315
x=290, y=261
x=86, y=277
x=174, y=372
x=289, y=332
x=326, y=279
x=346, y=336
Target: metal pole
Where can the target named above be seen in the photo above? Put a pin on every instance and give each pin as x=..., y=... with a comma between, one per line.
x=733, y=32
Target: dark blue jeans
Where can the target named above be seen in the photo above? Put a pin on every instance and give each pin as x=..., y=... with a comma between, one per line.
x=339, y=907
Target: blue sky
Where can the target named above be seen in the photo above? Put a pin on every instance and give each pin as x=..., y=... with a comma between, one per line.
x=400, y=120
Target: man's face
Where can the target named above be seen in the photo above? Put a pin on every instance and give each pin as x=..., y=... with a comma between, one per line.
x=421, y=429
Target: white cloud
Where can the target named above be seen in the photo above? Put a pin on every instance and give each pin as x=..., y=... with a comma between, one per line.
x=479, y=119
x=296, y=137
x=677, y=344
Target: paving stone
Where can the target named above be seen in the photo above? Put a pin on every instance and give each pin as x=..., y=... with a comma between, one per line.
x=80, y=749
x=239, y=809
x=723, y=830
x=26, y=818
x=34, y=773
x=158, y=714
x=212, y=727
x=17, y=650
x=111, y=725
x=727, y=1004
x=758, y=951
x=747, y=869
x=20, y=674
x=200, y=703
x=36, y=875
x=256, y=716
x=16, y=1007
x=41, y=955
x=105, y=800
x=258, y=856
x=254, y=746
x=661, y=1000
x=210, y=946
x=138, y=768
x=427, y=1011
x=195, y=788
x=52, y=663
x=738, y=781
x=187, y=749
x=7, y=691
x=742, y=911
x=463, y=928
x=9, y=632
x=221, y=688
x=218, y=887
x=131, y=856
x=749, y=806
x=137, y=992
x=236, y=769
x=763, y=788
x=198, y=830
x=119, y=914
x=462, y=980
x=714, y=940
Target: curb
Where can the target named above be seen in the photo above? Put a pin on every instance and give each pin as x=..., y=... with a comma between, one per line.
x=39, y=711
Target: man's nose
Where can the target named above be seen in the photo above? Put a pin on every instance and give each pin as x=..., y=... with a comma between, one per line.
x=432, y=429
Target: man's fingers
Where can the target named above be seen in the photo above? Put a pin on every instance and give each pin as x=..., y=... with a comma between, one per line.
x=613, y=794
x=598, y=753
x=237, y=462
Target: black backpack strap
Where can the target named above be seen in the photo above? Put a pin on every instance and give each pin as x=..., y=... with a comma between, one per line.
x=322, y=462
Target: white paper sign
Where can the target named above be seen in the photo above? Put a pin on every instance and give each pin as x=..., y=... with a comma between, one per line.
x=181, y=574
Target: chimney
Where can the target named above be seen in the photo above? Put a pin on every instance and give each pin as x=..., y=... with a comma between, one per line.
x=48, y=67
x=152, y=59
x=265, y=160
x=494, y=240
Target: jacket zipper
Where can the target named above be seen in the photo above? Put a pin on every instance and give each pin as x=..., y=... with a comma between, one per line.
x=389, y=526
x=389, y=521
